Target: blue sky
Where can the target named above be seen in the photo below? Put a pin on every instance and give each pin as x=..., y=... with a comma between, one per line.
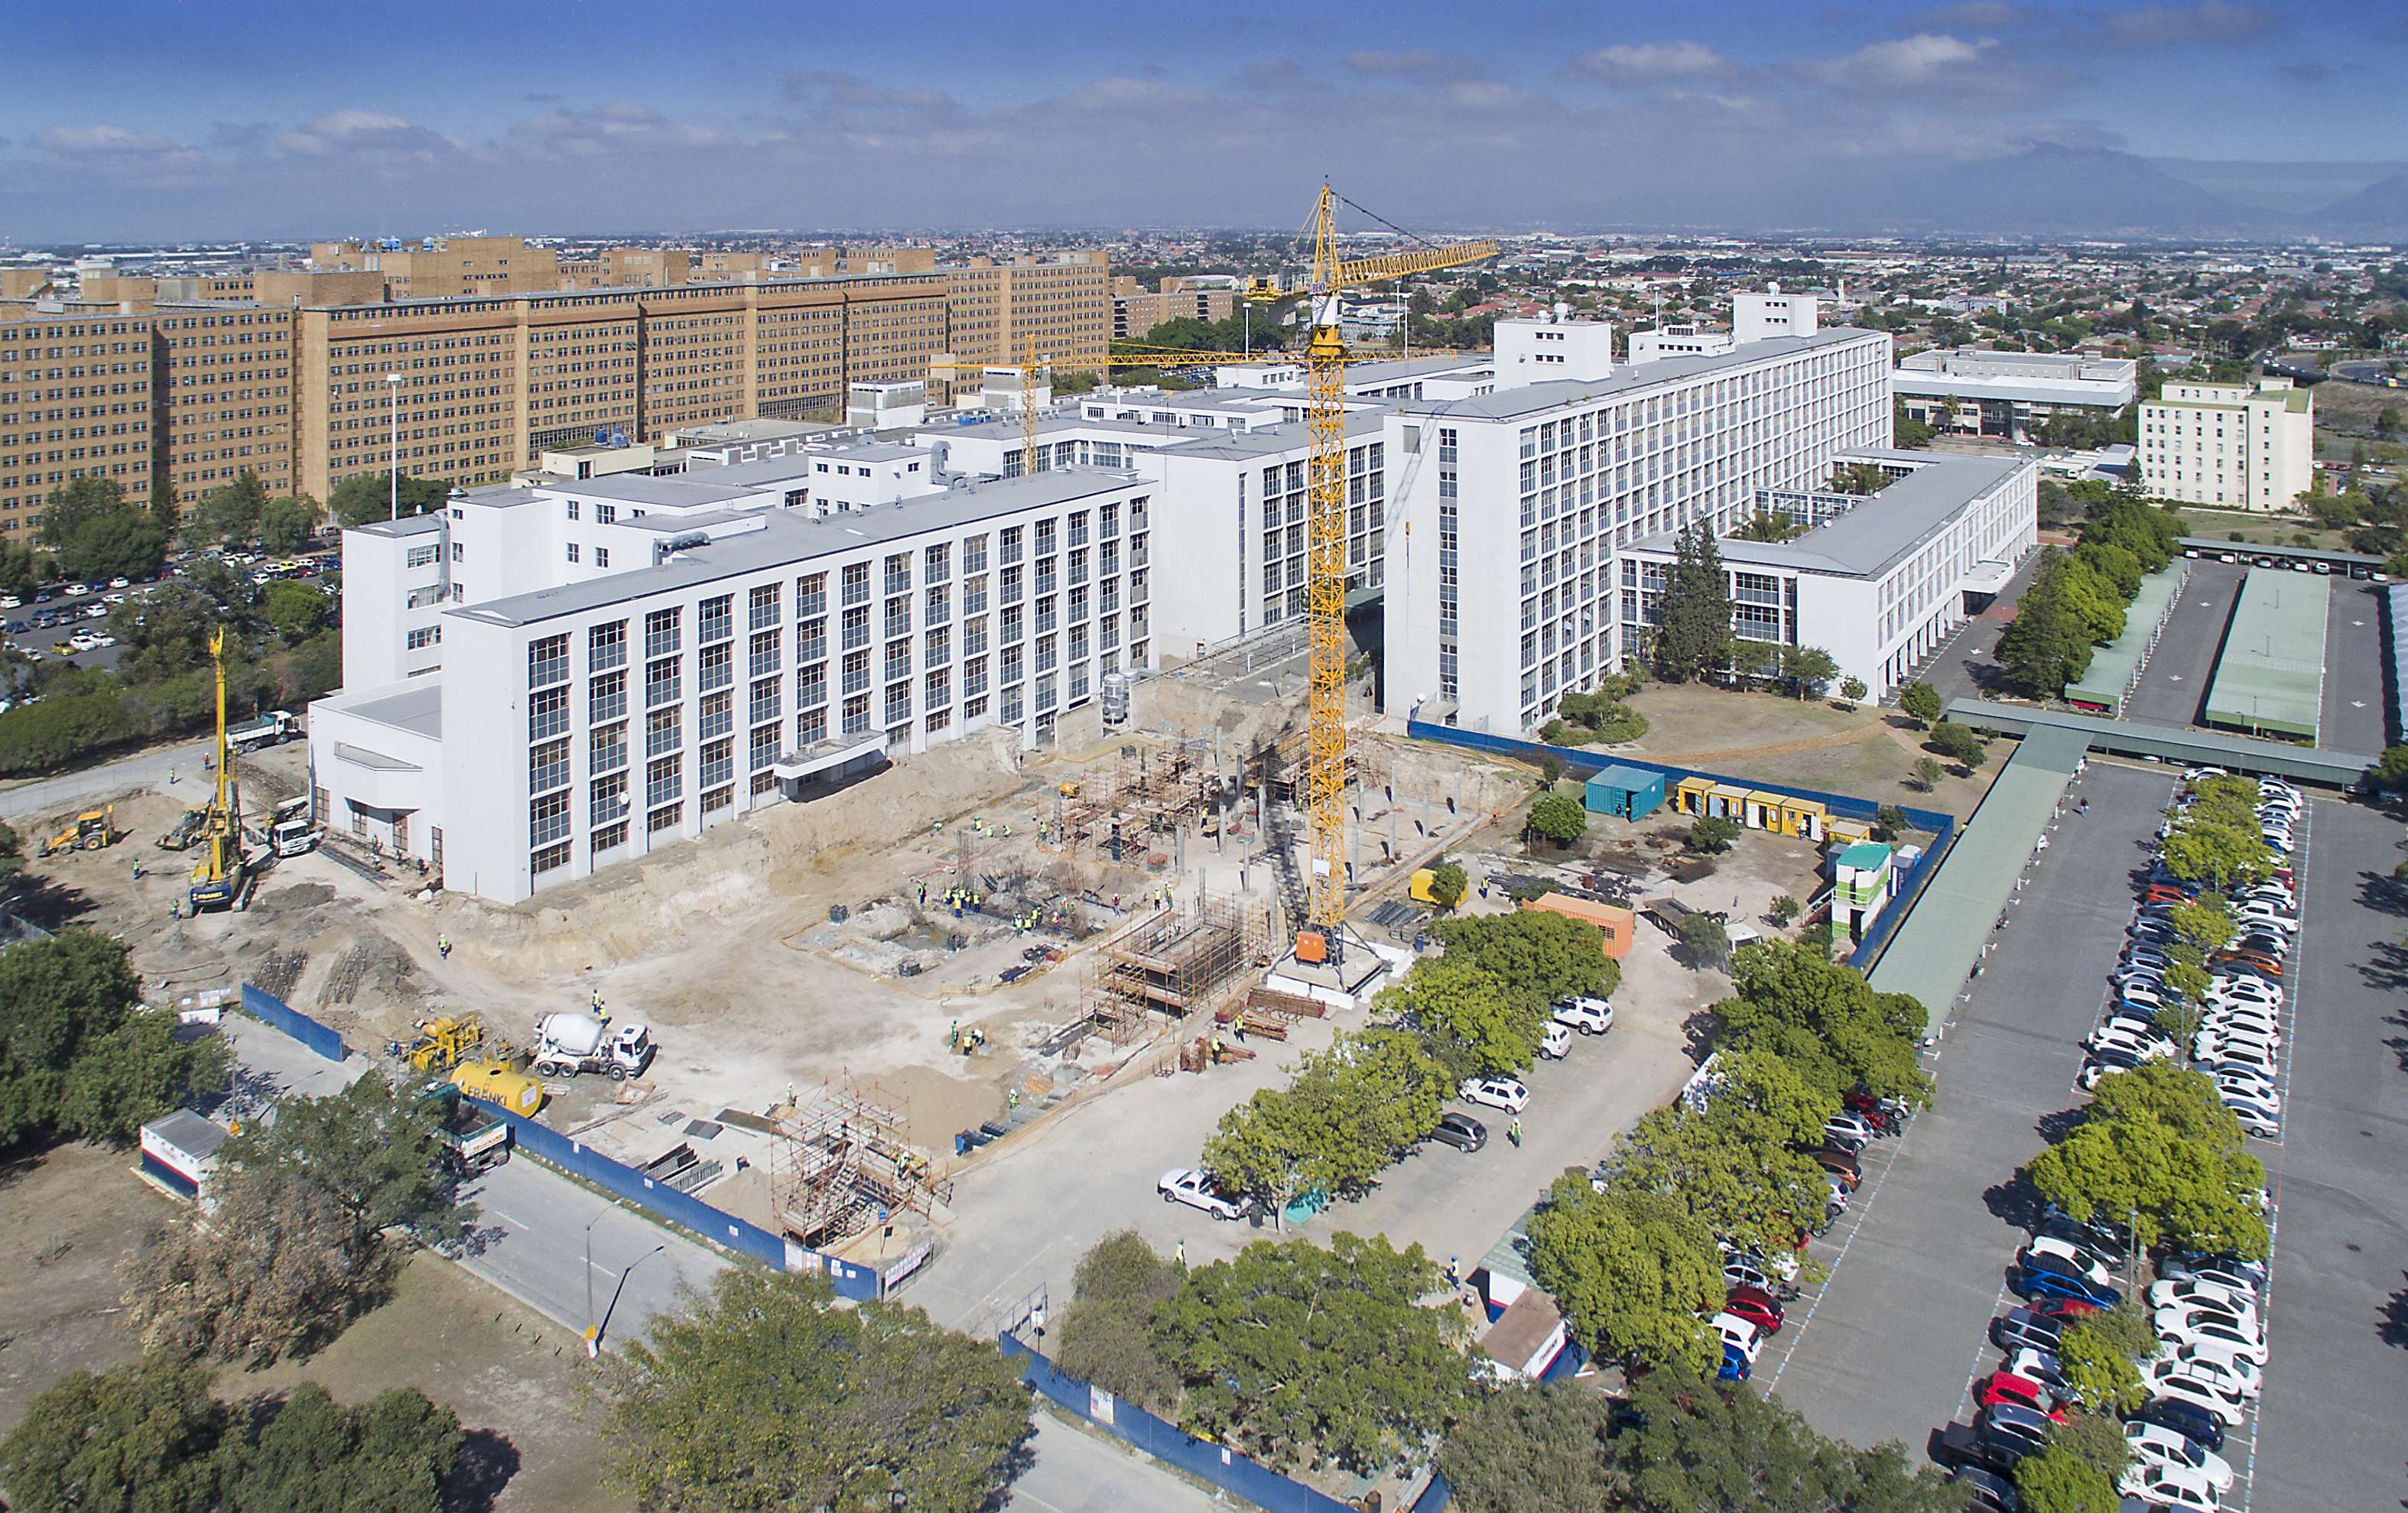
x=221, y=118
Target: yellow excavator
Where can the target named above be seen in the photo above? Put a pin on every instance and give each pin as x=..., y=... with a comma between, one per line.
x=446, y=1041
x=89, y=831
x=219, y=876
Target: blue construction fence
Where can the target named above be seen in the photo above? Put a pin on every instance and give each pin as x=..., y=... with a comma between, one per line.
x=1214, y=1463
x=682, y=1209
x=1584, y=764
x=277, y=1013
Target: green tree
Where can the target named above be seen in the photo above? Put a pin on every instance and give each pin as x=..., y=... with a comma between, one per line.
x=297, y=610
x=20, y=569
x=1960, y=744
x=1306, y=1356
x=1694, y=630
x=2218, y=853
x=1704, y=941
x=1809, y=669
x=1889, y=822
x=94, y=533
x=1105, y=1335
x=1928, y=772
x=1824, y=1019
x=2204, y=923
x=1696, y=1447
x=1449, y=886
x=1540, y=955
x=1634, y=1273
x=1473, y=1023
x=390, y=1455
x=1348, y=1113
x=1784, y=908
x=2048, y=644
x=366, y=497
x=376, y=1147
x=12, y=854
x=766, y=1393
x=1920, y=702
x=2390, y=771
x=1535, y=1449
x=229, y=514
x=1560, y=817
x=1854, y=689
x=1711, y=834
x=78, y=1059
x=2158, y=1149
x=287, y=524
x=140, y=1438
x=1730, y=1170
x=277, y=1269
x=2102, y=1353
x=2056, y=1480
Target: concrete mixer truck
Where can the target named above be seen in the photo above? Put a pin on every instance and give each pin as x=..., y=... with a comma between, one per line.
x=568, y=1044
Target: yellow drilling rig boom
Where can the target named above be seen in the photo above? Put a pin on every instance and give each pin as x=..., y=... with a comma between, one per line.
x=218, y=876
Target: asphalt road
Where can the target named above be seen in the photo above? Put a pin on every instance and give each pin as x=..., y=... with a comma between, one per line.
x=146, y=769
x=2173, y=689
x=1888, y=1349
x=1963, y=667
x=2354, y=718
x=534, y=1231
x=2329, y=1435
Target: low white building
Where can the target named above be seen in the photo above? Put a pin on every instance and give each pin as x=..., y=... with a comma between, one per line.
x=2241, y=446
x=616, y=666
x=1878, y=580
x=2008, y=395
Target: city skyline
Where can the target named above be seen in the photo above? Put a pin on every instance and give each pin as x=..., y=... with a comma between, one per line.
x=1574, y=117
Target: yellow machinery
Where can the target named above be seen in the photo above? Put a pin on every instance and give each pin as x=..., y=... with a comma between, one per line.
x=218, y=876
x=1029, y=369
x=500, y=1082
x=444, y=1043
x=90, y=832
x=1326, y=358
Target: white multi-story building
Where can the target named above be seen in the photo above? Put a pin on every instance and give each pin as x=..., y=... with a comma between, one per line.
x=2007, y=395
x=574, y=675
x=2229, y=444
x=1877, y=580
x=1507, y=510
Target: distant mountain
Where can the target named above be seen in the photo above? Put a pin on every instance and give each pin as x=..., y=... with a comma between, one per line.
x=2378, y=211
x=2061, y=191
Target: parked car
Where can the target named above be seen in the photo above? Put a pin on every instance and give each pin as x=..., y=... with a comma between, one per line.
x=1589, y=1016
x=2077, y=1258
x=1758, y=1299
x=2062, y=1311
x=2015, y=1427
x=1739, y=1335
x=2187, y=1419
x=1197, y=1190
x=2019, y=1327
x=2185, y=1383
x=1849, y=1131
x=1841, y=1166
x=2022, y=1392
x=1504, y=1092
x=2165, y=1486
x=1736, y=1366
x=1988, y=1492
x=2211, y=1335
x=2157, y=1444
x=1767, y=1319
x=2037, y=1282
x=1556, y=1042
x=2245, y=1278
x=1461, y=1131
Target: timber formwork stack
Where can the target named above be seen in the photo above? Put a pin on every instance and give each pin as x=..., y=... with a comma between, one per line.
x=842, y=1160
x=1174, y=962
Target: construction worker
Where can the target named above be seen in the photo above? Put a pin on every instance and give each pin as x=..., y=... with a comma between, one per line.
x=597, y=1000
x=175, y=908
x=443, y=947
x=1179, y=1256
x=1216, y=1047
x=1240, y=1026
x=924, y=893
x=171, y=777
x=1453, y=1273
x=1513, y=1132
x=137, y=869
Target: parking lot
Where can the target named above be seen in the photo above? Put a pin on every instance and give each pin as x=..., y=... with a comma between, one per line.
x=1888, y=1347
x=74, y=607
x=2173, y=687
x=2353, y=718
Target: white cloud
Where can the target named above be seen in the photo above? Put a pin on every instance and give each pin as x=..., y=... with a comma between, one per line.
x=1906, y=62
x=81, y=141
x=1648, y=63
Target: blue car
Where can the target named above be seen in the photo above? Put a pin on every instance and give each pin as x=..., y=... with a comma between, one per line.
x=2034, y=1282
x=1735, y=1367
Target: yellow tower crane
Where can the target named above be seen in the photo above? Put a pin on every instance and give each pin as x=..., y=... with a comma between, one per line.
x=1325, y=357
x=1029, y=369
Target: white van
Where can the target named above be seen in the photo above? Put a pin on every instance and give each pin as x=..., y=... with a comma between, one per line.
x=1556, y=1043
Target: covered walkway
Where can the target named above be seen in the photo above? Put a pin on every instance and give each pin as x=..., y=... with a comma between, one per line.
x=2172, y=743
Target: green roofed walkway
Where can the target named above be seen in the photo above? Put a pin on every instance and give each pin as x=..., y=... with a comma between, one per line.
x=1935, y=951
x=2271, y=678
x=2178, y=744
x=2117, y=667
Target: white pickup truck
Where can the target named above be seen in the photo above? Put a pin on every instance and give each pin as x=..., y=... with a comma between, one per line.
x=1197, y=1190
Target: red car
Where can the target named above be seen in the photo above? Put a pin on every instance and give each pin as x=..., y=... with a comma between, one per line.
x=1756, y=1297
x=2021, y=1392
x=2063, y=1310
x=1767, y=1319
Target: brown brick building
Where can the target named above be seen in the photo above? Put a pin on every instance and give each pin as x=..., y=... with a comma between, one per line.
x=75, y=398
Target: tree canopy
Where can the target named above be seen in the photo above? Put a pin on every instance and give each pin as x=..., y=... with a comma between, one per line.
x=1539, y=955
x=1635, y=1272
x=1105, y=1335
x=767, y=1395
x=2158, y=1147
x=1826, y=1021
x=1560, y=817
x=78, y=1058
x=1693, y=631
x=1470, y=1021
x=93, y=531
x=366, y=497
x=1920, y=701
x=1302, y=1355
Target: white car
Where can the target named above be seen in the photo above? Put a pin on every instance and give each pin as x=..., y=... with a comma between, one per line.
x=2249, y=914
x=2223, y=1051
x=1195, y=1189
x=83, y=641
x=2243, y=1020
x=1554, y=1042
x=2081, y=1258
x=2266, y=1105
x=1589, y=1016
x=2240, y=991
x=11, y=602
x=2168, y=1378
x=2149, y=1047
x=2160, y=1484
x=2227, y=1372
x=1504, y=1092
x=121, y=582
x=1740, y=1334
x=2209, y=1337
x=2200, y=775
x=2188, y=1292
x=2155, y=1443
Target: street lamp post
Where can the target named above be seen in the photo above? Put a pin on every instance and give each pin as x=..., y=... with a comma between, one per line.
x=594, y=1341
x=393, y=387
x=590, y=1330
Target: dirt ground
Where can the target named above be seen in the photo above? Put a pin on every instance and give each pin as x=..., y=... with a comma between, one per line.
x=70, y=1216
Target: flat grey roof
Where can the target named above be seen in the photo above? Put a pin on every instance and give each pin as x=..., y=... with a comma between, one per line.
x=1877, y=534
x=1286, y=437
x=418, y=707
x=2104, y=392
x=682, y=489
x=1539, y=398
x=2173, y=743
x=1394, y=369
x=872, y=451
x=406, y=525
x=789, y=538
x=189, y=1133
x=2209, y=545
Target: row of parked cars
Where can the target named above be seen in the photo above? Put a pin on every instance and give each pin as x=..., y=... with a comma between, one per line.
x=2206, y=1310
x=1760, y=1286
x=1572, y=1017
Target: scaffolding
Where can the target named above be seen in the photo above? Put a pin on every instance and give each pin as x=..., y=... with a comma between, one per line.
x=1145, y=792
x=842, y=1164
x=1178, y=961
